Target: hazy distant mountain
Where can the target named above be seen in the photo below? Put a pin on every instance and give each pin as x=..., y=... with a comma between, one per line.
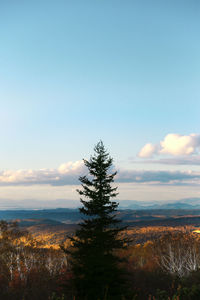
x=187, y=203
x=38, y=204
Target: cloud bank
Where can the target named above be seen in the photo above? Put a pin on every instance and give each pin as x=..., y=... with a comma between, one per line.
x=191, y=161
x=159, y=177
x=173, y=144
x=68, y=174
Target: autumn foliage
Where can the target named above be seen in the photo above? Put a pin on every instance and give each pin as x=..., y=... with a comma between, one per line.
x=162, y=268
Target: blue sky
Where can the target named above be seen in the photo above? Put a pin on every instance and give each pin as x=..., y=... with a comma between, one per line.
x=74, y=72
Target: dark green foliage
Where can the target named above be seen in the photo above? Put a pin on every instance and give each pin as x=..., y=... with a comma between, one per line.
x=94, y=258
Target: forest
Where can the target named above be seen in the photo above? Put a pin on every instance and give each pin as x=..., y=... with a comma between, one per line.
x=153, y=268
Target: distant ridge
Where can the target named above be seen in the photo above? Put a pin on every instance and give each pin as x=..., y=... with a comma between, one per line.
x=187, y=203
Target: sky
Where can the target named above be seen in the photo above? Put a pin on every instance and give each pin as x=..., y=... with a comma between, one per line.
x=75, y=72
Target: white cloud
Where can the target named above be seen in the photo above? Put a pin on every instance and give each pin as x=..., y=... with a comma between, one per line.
x=70, y=166
x=173, y=144
x=176, y=144
x=66, y=173
x=148, y=150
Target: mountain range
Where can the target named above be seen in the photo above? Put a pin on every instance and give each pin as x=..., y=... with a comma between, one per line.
x=185, y=203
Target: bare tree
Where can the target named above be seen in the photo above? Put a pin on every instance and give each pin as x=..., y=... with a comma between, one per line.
x=178, y=253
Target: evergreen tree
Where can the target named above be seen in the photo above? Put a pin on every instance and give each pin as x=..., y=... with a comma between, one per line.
x=94, y=260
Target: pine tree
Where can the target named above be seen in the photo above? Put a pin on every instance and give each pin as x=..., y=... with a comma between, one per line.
x=94, y=260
